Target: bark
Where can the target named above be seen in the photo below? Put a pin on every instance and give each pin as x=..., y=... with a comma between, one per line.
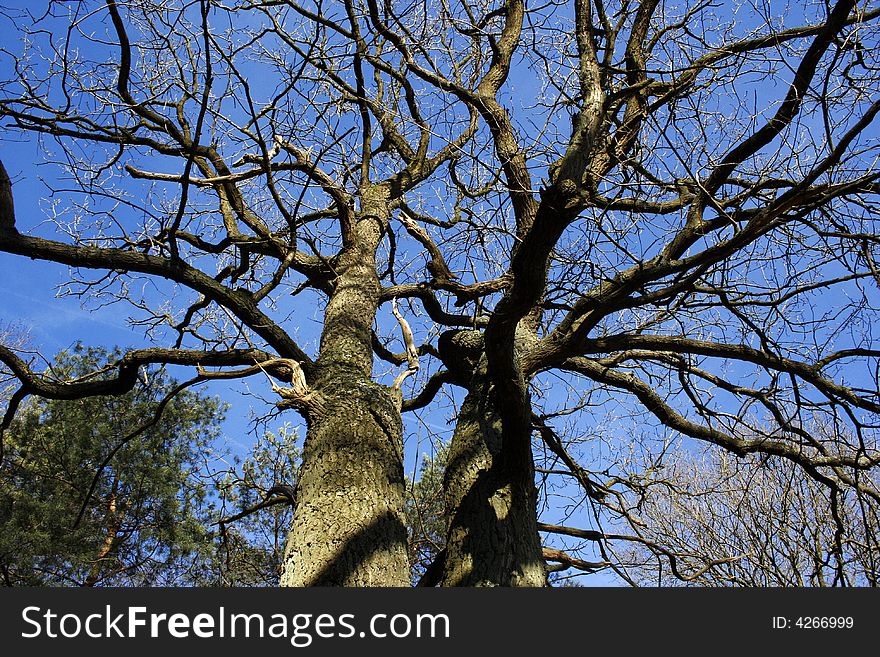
x=348, y=526
x=114, y=522
x=492, y=525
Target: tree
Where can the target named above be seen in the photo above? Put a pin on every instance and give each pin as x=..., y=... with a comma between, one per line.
x=425, y=515
x=72, y=515
x=617, y=229
x=13, y=337
x=752, y=522
x=255, y=508
x=151, y=515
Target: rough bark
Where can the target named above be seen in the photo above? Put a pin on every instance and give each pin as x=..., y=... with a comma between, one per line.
x=492, y=523
x=348, y=526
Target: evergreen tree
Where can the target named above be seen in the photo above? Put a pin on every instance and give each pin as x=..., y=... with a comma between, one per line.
x=425, y=513
x=255, y=505
x=103, y=490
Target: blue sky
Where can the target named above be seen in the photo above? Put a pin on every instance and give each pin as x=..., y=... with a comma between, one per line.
x=28, y=298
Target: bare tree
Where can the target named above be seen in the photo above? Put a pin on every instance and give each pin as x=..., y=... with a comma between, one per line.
x=751, y=522
x=255, y=508
x=619, y=227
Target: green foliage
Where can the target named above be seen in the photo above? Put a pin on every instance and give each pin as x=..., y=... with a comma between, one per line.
x=425, y=512
x=251, y=548
x=146, y=520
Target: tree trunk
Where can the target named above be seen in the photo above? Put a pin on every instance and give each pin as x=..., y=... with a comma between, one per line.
x=348, y=525
x=492, y=528
x=114, y=522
